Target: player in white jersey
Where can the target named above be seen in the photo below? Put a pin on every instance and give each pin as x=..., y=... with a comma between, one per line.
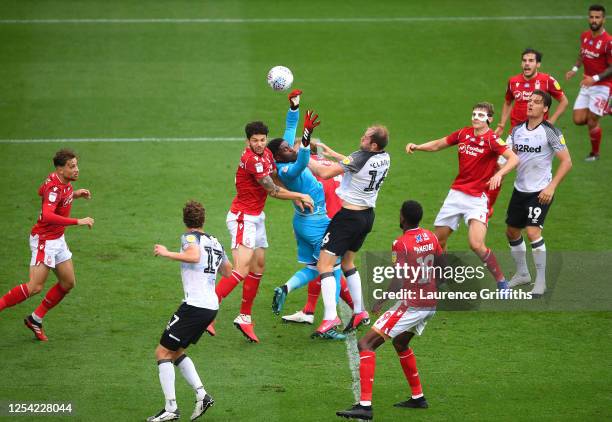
x=201, y=257
x=536, y=142
x=363, y=174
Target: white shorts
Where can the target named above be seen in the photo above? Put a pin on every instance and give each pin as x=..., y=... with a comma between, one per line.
x=49, y=252
x=247, y=230
x=401, y=318
x=458, y=204
x=595, y=98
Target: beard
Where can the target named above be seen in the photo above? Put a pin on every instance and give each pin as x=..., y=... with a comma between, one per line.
x=595, y=27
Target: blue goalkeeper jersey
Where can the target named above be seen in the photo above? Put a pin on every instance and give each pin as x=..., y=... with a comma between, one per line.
x=296, y=175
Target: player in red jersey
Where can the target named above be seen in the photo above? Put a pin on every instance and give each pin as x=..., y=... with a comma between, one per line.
x=418, y=249
x=521, y=86
x=245, y=221
x=478, y=151
x=47, y=243
x=596, y=85
x=518, y=91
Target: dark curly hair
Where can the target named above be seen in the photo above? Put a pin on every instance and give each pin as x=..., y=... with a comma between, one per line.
x=194, y=215
x=63, y=156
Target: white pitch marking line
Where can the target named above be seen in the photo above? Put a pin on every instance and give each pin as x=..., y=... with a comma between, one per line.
x=102, y=140
x=289, y=20
x=352, y=351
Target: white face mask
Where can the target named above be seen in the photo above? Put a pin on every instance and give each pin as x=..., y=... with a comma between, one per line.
x=480, y=116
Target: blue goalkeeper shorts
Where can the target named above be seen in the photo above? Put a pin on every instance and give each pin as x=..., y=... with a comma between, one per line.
x=309, y=232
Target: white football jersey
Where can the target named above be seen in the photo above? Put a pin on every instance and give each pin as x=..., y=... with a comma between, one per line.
x=364, y=174
x=199, y=279
x=536, y=149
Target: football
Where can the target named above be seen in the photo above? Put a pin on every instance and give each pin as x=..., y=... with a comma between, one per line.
x=280, y=78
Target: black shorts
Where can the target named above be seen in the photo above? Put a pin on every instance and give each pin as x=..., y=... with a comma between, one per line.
x=525, y=209
x=348, y=230
x=186, y=326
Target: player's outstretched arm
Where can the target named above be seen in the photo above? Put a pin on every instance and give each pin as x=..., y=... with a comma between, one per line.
x=326, y=171
x=330, y=153
x=293, y=116
x=563, y=103
x=191, y=255
x=512, y=161
x=87, y=221
x=565, y=165
x=431, y=146
x=82, y=193
x=281, y=193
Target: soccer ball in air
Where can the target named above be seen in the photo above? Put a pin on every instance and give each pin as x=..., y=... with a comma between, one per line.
x=280, y=78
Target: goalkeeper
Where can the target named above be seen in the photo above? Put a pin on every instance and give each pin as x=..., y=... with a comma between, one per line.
x=309, y=227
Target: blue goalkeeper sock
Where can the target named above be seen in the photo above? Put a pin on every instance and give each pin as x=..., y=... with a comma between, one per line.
x=337, y=276
x=301, y=278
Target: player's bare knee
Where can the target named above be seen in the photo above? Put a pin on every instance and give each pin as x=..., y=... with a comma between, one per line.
x=67, y=285
x=34, y=288
x=364, y=345
x=400, y=345
x=533, y=233
x=162, y=353
x=477, y=246
x=513, y=233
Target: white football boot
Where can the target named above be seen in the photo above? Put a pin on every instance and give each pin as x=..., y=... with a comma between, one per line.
x=299, y=317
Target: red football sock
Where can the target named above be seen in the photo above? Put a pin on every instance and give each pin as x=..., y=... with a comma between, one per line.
x=367, y=365
x=408, y=362
x=227, y=284
x=314, y=291
x=345, y=294
x=16, y=295
x=491, y=263
x=52, y=298
x=595, y=135
x=249, y=291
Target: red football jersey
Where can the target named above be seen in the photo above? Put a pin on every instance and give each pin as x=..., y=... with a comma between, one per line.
x=250, y=195
x=417, y=249
x=520, y=89
x=55, y=210
x=477, y=159
x=596, y=54
x=333, y=203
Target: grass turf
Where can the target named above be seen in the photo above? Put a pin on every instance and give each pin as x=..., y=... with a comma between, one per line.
x=187, y=80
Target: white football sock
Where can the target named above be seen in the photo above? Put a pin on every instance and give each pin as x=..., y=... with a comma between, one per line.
x=353, y=281
x=538, y=249
x=518, y=250
x=166, y=379
x=328, y=291
x=185, y=364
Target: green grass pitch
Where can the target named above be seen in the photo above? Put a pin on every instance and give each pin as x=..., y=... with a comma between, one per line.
x=420, y=78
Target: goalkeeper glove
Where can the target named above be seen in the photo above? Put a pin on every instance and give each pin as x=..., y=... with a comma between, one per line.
x=294, y=99
x=310, y=122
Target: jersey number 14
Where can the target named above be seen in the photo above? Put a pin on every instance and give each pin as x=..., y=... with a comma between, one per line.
x=374, y=185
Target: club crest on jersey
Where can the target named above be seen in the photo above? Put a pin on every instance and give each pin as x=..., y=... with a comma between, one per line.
x=537, y=84
x=598, y=44
x=259, y=168
x=52, y=196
